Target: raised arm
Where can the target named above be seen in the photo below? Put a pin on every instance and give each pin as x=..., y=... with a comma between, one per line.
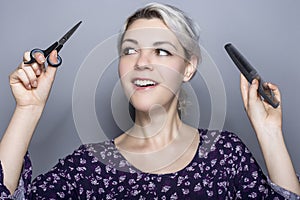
x=30, y=85
x=267, y=123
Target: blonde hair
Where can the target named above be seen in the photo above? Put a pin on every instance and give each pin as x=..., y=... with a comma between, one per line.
x=185, y=29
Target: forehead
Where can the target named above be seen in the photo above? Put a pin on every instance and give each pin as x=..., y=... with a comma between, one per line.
x=150, y=23
x=149, y=31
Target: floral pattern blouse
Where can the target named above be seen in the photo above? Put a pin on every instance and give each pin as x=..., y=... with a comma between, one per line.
x=223, y=168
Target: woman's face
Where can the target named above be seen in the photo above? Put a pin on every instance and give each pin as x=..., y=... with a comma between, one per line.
x=152, y=65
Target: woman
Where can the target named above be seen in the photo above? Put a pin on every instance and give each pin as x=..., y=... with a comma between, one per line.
x=160, y=157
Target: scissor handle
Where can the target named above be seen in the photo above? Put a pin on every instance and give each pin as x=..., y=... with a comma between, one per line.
x=32, y=58
x=59, y=61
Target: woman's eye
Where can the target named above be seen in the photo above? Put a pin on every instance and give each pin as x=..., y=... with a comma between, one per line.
x=162, y=52
x=129, y=51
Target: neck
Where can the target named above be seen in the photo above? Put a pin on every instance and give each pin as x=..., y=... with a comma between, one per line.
x=159, y=136
x=157, y=128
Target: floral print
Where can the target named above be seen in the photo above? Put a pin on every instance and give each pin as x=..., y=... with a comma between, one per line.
x=223, y=168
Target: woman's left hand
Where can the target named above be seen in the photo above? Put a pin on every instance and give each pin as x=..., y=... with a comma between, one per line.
x=267, y=123
x=265, y=119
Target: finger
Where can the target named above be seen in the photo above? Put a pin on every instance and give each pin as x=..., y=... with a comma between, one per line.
x=39, y=57
x=53, y=57
x=31, y=75
x=253, y=94
x=244, y=86
x=275, y=90
x=26, y=56
x=38, y=68
x=20, y=76
x=28, y=70
x=51, y=71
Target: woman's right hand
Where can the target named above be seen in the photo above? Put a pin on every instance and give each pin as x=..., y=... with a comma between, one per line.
x=31, y=83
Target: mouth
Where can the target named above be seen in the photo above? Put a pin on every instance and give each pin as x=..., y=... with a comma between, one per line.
x=144, y=83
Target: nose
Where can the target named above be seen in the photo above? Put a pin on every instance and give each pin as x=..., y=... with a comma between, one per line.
x=144, y=60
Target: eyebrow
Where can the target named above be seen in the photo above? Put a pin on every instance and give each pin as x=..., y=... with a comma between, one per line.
x=164, y=42
x=130, y=40
x=154, y=44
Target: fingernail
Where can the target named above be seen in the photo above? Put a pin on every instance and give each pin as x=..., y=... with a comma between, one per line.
x=34, y=84
x=38, y=72
x=41, y=59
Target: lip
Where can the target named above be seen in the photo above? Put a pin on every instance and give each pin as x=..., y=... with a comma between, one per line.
x=144, y=88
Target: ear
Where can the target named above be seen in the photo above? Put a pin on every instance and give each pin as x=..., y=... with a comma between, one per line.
x=190, y=68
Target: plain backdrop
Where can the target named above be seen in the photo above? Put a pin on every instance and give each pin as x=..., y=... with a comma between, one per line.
x=267, y=32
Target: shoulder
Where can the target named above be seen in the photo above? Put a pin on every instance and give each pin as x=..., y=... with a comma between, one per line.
x=85, y=153
x=221, y=141
x=219, y=136
x=103, y=154
x=226, y=149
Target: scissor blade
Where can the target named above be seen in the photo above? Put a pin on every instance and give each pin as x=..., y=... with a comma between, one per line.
x=49, y=49
x=68, y=34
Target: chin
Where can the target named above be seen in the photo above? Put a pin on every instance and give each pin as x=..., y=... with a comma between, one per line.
x=143, y=106
x=148, y=105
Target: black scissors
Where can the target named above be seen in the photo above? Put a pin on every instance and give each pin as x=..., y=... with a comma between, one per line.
x=250, y=73
x=55, y=46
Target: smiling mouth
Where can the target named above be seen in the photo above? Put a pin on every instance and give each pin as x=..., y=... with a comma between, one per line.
x=144, y=83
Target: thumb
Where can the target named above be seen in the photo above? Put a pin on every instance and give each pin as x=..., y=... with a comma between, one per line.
x=253, y=93
x=244, y=87
x=51, y=71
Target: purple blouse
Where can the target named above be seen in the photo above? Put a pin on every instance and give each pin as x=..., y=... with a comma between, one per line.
x=223, y=168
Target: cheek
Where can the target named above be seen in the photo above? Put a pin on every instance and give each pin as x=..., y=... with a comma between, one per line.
x=173, y=77
x=174, y=70
x=122, y=68
x=125, y=71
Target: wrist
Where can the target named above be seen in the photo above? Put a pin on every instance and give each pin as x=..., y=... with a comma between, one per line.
x=272, y=143
x=32, y=109
x=269, y=134
x=29, y=113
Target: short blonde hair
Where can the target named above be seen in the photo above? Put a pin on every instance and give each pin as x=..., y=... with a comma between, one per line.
x=185, y=29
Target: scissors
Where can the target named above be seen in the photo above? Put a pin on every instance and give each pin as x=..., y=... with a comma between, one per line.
x=250, y=73
x=55, y=46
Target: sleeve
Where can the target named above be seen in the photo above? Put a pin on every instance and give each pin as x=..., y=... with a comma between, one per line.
x=250, y=181
x=58, y=183
x=61, y=182
x=284, y=192
x=24, y=182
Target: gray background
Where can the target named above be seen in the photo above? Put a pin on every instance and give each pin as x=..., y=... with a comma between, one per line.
x=267, y=32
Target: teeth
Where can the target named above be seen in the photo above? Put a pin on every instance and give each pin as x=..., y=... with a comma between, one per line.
x=143, y=83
